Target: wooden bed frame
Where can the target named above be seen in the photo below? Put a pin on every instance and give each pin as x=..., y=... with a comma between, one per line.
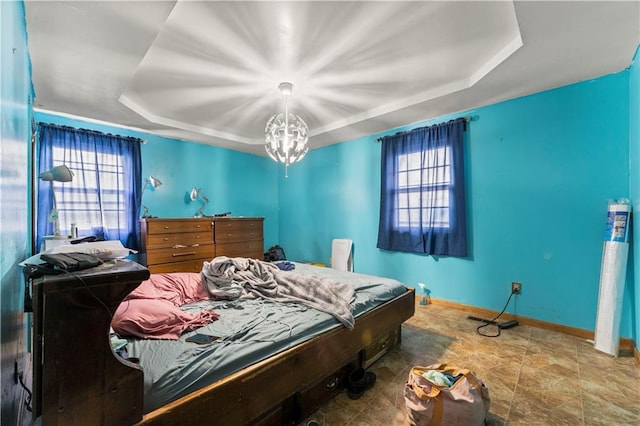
x=79, y=380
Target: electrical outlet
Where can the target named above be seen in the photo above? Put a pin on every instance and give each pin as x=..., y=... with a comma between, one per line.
x=516, y=288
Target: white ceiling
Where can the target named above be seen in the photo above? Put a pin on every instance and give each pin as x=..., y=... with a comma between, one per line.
x=208, y=71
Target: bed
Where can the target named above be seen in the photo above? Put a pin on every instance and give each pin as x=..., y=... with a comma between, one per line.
x=247, y=377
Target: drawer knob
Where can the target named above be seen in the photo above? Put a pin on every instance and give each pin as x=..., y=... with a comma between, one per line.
x=166, y=227
x=333, y=383
x=165, y=239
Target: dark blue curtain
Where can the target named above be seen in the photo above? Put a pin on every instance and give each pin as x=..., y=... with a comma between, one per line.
x=104, y=197
x=417, y=232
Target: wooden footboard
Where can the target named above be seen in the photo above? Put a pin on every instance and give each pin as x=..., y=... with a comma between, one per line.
x=243, y=397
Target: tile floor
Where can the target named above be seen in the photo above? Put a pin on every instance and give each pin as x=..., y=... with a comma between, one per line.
x=534, y=376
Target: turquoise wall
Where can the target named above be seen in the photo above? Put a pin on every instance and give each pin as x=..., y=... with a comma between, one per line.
x=15, y=116
x=244, y=184
x=634, y=187
x=539, y=172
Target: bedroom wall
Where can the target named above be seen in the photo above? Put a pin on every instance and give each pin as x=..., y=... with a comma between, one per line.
x=15, y=113
x=244, y=184
x=539, y=172
x=634, y=188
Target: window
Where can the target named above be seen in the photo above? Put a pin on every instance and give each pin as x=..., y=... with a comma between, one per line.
x=94, y=199
x=423, y=189
x=103, y=197
x=422, y=206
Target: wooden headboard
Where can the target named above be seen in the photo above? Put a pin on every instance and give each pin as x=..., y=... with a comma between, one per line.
x=72, y=350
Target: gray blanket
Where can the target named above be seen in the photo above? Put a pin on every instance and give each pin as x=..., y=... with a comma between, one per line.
x=231, y=278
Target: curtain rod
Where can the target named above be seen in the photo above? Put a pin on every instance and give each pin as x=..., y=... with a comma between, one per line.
x=95, y=132
x=466, y=120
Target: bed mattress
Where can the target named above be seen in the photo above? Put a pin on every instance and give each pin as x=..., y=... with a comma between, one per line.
x=250, y=331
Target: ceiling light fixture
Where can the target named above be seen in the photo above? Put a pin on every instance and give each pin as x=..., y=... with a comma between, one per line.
x=286, y=134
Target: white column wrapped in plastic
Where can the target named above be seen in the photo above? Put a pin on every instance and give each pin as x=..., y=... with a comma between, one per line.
x=613, y=273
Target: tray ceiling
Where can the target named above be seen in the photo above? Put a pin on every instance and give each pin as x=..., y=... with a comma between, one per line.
x=208, y=71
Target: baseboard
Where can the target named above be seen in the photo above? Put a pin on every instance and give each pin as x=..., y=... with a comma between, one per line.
x=627, y=346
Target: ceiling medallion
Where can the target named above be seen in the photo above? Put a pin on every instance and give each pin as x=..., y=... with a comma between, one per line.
x=286, y=134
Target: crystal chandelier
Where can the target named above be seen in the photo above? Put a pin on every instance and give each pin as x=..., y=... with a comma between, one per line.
x=286, y=134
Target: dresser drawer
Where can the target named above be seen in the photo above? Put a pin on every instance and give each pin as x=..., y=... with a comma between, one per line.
x=238, y=230
x=179, y=254
x=251, y=249
x=179, y=226
x=189, y=266
x=379, y=347
x=185, y=239
x=182, y=244
x=308, y=400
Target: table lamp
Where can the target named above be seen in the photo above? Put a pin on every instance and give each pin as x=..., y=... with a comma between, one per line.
x=57, y=174
x=154, y=183
x=195, y=194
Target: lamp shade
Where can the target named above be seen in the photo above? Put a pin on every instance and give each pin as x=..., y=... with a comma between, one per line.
x=57, y=174
x=155, y=182
x=286, y=138
x=194, y=193
x=286, y=134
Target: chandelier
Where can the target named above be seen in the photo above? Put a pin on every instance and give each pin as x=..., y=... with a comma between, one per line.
x=286, y=134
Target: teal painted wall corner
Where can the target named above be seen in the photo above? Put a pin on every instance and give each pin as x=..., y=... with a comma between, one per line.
x=240, y=183
x=15, y=118
x=539, y=172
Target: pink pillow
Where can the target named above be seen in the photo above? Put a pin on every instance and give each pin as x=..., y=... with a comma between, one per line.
x=157, y=319
x=177, y=287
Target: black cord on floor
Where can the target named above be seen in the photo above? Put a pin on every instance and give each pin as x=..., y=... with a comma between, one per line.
x=493, y=321
x=27, y=401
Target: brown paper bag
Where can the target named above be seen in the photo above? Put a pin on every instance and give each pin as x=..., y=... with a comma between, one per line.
x=465, y=403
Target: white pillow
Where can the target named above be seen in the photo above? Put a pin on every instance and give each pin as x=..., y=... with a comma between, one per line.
x=105, y=250
x=112, y=249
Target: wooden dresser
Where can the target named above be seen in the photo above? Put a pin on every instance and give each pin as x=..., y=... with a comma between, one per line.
x=182, y=245
x=239, y=237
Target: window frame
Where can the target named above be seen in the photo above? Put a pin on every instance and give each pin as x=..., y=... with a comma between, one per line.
x=82, y=188
x=443, y=185
x=416, y=232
